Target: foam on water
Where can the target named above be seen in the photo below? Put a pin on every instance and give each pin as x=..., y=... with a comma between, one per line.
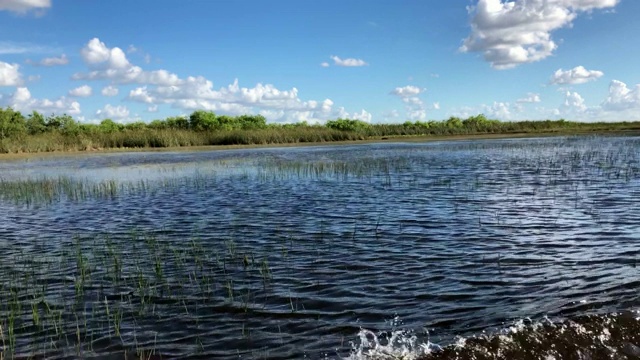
x=587, y=337
x=401, y=344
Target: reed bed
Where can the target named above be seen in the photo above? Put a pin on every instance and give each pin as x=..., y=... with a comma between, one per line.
x=106, y=294
x=34, y=133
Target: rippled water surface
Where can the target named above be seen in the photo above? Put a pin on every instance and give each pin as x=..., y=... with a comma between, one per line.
x=292, y=252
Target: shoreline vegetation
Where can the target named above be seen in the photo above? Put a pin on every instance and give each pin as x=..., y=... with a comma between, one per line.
x=35, y=133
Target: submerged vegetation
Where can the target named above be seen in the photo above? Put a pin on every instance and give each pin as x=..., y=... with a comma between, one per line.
x=37, y=133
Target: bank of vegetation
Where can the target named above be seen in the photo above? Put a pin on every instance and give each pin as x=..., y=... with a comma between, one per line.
x=37, y=133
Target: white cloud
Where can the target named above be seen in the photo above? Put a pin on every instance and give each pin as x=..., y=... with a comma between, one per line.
x=196, y=92
x=109, y=90
x=499, y=110
x=277, y=105
x=621, y=97
x=413, y=104
x=10, y=74
x=81, y=91
x=141, y=95
x=530, y=98
x=131, y=75
x=362, y=115
x=325, y=64
x=22, y=6
x=417, y=114
x=406, y=91
x=152, y=108
x=113, y=112
x=573, y=104
x=50, y=61
x=436, y=106
x=511, y=33
x=112, y=64
x=97, y=53
x=577, y=75
x=131, y=49
x=21, y=100
x=350, y=62
x=464, y=112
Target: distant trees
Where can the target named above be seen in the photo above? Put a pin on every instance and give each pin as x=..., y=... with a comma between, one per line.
x=109, y=126
x=11, y=123
x=204, y=125
x=201, y=120
x=347, y=125
x=35, y=123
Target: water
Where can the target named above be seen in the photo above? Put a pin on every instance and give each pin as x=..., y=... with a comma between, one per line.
x=323, y=252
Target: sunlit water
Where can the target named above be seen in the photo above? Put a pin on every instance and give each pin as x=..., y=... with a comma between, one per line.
x=327, y=252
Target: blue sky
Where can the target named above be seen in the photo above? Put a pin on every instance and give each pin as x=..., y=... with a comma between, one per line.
x=378, y=61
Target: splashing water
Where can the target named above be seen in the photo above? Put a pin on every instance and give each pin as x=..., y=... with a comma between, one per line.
x=398, y=344
x=401, y=344
x=588, y=337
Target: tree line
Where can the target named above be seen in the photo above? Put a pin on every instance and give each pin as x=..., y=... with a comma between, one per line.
x=36, y=132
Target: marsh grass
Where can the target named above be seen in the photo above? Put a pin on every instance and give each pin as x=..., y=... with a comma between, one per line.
x=145, y=136
x=114, y=289
x=151, y=138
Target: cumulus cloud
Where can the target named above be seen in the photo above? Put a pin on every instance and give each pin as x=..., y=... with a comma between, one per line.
x=577, y=75
x=113, y=112
x=530, y=98
x=621, y=97
x=81, y=91
x=573, y=104
x=350, y=62
x=279, y=105
x=131, y=75
x=112, y=64
x=413, y=104
x=362, y=115
x=50, y=61
x=196, y=92
x=10, y=74
x=141, y=95
x=406, y=91
x=109, y=90
x=436, y=106
x=23, y=6
x=22, y=100
x=324, y=64
x=498, y=110
x=275, y=104
x=510, y=33
x=96, y=52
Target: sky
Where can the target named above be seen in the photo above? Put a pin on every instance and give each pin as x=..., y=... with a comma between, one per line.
x=380, y=61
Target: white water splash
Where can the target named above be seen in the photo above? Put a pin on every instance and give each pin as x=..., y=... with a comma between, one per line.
x=404, y=344
x=400, y=345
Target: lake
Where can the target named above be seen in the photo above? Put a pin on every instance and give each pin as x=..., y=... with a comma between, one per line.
x=348, y=251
